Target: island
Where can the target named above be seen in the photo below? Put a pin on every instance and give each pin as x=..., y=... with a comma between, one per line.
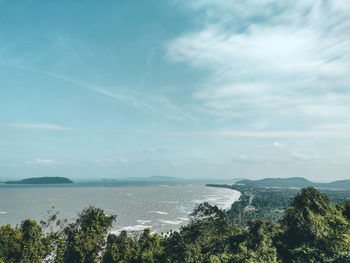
x=42, y=180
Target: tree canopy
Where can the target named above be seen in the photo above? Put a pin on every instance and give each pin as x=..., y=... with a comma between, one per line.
x=311, y=230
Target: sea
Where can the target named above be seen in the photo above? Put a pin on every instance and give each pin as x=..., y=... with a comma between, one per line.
x=160, y=207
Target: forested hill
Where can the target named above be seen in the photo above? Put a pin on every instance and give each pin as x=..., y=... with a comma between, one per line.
x=299, y=182
x=42, y=180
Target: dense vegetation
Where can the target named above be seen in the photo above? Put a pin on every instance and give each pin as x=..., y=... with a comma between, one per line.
x=267, y=202
x=310, y=230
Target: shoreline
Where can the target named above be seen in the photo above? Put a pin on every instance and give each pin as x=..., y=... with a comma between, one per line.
x=160, y=206
x=184, y=220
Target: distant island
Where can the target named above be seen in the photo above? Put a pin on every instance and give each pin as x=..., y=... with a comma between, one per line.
x=298, y=182
x=149, y=178
x=42, y=180
x=153, y=178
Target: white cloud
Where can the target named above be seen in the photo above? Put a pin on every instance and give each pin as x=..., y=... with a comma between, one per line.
x=285, y=151
x=277, y=58
x=267, y=51
x=278, y=145
x=41, y=161
x=263, y=134
x=39, y=126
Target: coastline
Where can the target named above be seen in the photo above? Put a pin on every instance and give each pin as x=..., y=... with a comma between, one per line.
x=217, y=198
x=160, y=207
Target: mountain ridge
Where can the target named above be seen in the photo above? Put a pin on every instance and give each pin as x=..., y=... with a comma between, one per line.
x=299, y=182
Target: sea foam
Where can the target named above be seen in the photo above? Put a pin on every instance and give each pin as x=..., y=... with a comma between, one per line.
x=130, y=228
x=170, y=222
x=159, y=212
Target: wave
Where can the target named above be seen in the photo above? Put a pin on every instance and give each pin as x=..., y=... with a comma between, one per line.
x=142, y=222
x=223, y=198
x=130, y=228
x=170, y=222
x=159, y=212
x=3, y=212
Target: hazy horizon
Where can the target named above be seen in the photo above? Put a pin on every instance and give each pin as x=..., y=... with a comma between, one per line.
x=191, y=89
x=166, y=180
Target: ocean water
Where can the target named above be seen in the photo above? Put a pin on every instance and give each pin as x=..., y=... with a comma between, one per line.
x=159, y=207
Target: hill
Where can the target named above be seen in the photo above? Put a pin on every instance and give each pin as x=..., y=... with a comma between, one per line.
x=342, y=184
x=298, y=182
x=42, y=180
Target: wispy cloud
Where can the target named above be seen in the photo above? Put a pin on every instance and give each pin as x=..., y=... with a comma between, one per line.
x=296, y=155
x=39, y=126
x=153, y=104
x=277, y=58
x=142, y=101
x=41, y=161
x=263, y=134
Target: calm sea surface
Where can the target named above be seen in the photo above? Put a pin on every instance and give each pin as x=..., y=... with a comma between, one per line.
x=160, y=207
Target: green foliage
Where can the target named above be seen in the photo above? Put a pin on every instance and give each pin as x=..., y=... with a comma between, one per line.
x=344, y=208
x=120, y=248
x=148, y=248
x=342, y=258
x=10, y=244
x=207, y=211
x=314, y=230
x=310, y=230
x=254, y=244
x=33, y=244
x=268, y=203
x=202, y=240
x=255, y=203
x=86, y=237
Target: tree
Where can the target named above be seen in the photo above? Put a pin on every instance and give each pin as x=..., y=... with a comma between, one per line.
x=254, y=244
x=207, y=211
x=344, y=208
x=119, y=248
x=86, y=237
x=314, y=230
x=148, y=248
x=33, y=247
x=10, y=244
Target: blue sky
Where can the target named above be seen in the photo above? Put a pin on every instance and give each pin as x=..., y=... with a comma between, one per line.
x=193, y=89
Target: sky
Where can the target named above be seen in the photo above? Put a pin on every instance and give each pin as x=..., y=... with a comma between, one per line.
x=192, y=89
